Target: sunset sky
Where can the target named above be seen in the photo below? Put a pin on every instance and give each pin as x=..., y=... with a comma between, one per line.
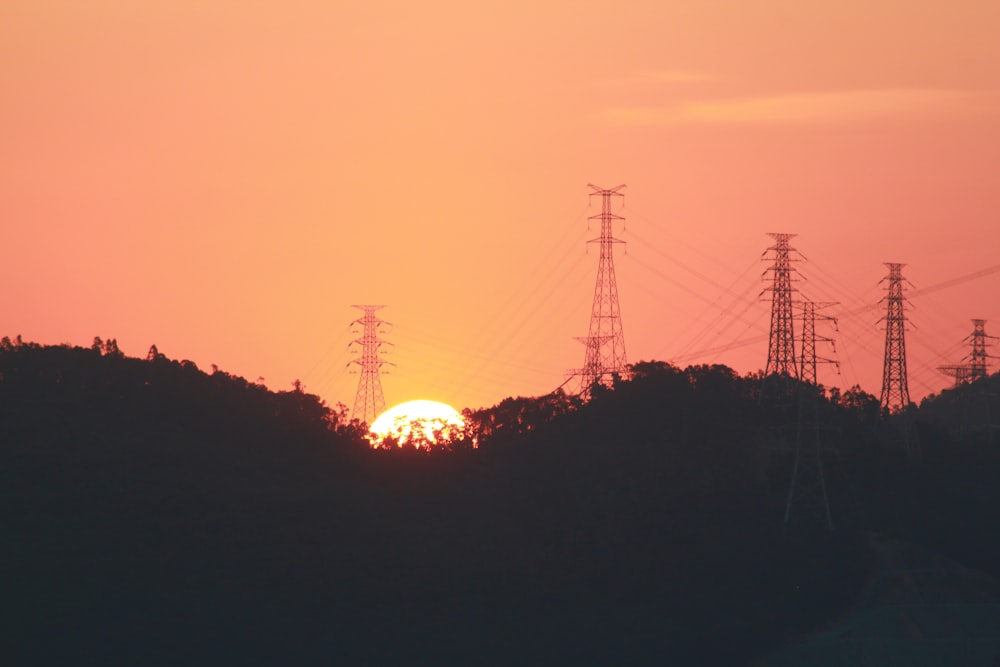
x=225, y=179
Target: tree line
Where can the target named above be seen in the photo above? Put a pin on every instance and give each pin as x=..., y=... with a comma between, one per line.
x=158, y=511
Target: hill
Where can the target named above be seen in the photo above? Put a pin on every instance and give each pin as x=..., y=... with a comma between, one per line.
x=159, y=514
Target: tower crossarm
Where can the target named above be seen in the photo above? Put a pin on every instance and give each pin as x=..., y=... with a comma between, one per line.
x=606, y=192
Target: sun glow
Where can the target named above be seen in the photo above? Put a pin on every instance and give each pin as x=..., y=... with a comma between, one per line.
x=421, y=424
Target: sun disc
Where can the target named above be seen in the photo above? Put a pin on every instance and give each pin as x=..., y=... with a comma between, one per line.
x=420, y=423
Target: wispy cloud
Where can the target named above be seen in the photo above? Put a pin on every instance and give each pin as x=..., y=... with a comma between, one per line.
x=834, y=107
x=652, y=77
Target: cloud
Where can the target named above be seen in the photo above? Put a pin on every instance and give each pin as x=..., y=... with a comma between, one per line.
x=833, y=107
x=648, y=77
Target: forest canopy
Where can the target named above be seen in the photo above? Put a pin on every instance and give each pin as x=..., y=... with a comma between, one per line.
x=655, y=504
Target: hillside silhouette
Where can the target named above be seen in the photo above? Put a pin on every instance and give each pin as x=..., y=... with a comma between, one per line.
x=159, y=514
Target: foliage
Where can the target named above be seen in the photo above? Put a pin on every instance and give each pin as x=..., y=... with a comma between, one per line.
x=173, y=514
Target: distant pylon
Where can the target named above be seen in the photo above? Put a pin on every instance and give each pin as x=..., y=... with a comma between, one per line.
x=976, y=364
x=807, y=491
x=369, y=402
x=974, y=369
x=809, y=359
x=781, y=345
x=605, y=341
x=895, y=388
x=958, y=372
x=979, y=356
x=977, y=371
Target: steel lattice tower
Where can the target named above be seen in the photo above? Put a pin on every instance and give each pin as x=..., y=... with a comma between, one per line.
x=959, y=373
x=369, y=402
x=605, y=341
x=807, y=490
x=895, y=388
x=781, y=346
x=976, y=371
x=809, y=359
x=807, y=362
x=977, y=360
x=975, y=368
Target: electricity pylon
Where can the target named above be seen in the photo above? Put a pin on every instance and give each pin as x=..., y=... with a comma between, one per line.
x=781, y=345
x=605, y=341
x=975, y=367
x=978, y=358
x=369, y=402
x=895, y=388
x=977, y=371
x=808, y=362
x=958, y=372
x=807, y=490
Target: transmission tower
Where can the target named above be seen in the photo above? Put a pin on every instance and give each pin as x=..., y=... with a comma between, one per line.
x=976, y=362
x=605, y=341
x=369, y=402
x=809, y=360
x=975, y=368
x=895, y=388
x=807, y=490
x=978, y=358
x=781, y=346
x=958, y=372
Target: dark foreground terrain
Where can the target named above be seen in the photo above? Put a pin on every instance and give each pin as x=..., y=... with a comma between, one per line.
x=156, y=514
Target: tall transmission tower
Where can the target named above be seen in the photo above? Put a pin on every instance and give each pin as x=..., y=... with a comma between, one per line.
x=895, y=388
x=605, y=341
x=781, y=346
x=369, y=402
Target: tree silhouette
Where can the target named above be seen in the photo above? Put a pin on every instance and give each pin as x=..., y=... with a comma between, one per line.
x=168, y=512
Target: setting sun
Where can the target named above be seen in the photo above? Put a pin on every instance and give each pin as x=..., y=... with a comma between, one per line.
x=418, y=423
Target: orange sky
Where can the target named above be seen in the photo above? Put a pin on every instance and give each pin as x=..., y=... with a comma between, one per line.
x=225, y=179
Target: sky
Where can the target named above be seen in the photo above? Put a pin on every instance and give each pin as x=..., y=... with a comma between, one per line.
x=226, y=179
